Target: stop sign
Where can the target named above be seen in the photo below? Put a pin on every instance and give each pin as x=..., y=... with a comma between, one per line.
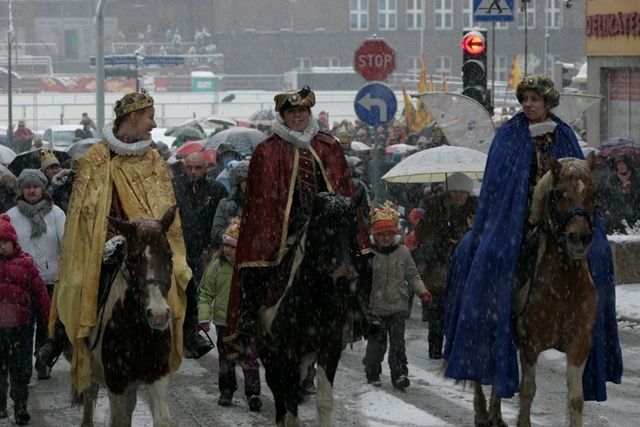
x=375, y=60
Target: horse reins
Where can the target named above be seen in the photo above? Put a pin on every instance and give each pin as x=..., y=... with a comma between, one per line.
x=563, y=221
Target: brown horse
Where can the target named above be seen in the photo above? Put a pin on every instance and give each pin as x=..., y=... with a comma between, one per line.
x=131, y=344
x=557, y=307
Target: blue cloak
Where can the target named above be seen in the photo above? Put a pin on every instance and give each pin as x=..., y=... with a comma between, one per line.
x=480, y=343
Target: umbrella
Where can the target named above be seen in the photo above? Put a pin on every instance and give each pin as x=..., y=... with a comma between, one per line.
x=187, y=133
x=572, y=105
x=614, y=142
x=400, y=148
x=244, y=140
x=218, y=122
x=464, y=121
x=6, y=155
x=31, y=160
x=81, y=147
x=434, y=164
x=359, y=146
x=5, y=171
x=632, y=151
x=189, y=147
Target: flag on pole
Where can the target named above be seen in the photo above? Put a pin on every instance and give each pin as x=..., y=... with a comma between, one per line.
x=445, y=87
x=432, y=87
x=422, y=83
x=415, y=122
x=515, y=75
x=423, y=116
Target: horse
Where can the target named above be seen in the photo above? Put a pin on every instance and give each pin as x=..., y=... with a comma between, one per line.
x=308, y=319
x=557, y=307
x=131, y=344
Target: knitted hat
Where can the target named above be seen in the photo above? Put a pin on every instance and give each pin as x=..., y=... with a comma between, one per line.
x=238, y=173
x=384, y=220
x=30, y=177
x=459, y=182
x=415, y=215
x=230, y=237
x=7, y=232
x=47, y=158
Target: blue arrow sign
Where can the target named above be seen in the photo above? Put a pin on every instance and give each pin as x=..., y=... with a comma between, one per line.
x=375, y=104
x=493, y=10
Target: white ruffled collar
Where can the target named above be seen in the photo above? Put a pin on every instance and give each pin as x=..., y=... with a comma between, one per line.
x=114, y=144
x=539, y=129
x=299, y=139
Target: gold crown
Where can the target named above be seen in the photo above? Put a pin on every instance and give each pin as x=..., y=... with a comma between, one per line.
x=46, y=154
x=133, y=102
x=386, y=212
x=233, y=230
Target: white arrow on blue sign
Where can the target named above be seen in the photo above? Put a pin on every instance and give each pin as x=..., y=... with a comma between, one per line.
x=375, y=104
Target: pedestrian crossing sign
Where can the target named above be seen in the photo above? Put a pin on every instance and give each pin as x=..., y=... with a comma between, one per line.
x=493, y=10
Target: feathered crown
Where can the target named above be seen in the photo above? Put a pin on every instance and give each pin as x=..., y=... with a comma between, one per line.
x=385, y=213
x=133, y=102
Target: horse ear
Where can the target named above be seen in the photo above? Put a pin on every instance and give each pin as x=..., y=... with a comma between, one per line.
x=123, y=227
x=168, y=217
x=555, y=167
x=358, y=198
x=591, y=160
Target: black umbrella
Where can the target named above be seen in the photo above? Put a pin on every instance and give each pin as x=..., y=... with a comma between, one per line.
x=80, y=147
x=188, y=133
x=31, y=160
x=244, y=140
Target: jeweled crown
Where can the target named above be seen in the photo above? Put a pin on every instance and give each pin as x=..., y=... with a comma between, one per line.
x=133, y=102
x=386, y=212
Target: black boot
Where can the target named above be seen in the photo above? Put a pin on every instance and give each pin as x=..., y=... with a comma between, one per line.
x=252, y=288
x=49, y=352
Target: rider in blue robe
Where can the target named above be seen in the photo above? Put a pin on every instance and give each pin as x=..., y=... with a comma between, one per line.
x=480, y=343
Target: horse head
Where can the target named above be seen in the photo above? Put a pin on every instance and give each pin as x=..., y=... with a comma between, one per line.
x=149, y=263
x=564, y=200
x=332, y=236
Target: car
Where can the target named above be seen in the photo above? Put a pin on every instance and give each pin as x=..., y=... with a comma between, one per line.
x=60, y=137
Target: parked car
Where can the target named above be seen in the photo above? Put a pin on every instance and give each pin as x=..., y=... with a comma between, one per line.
x=60, y=137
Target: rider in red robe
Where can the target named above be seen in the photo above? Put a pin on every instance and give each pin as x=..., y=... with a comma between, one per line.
x=295, y=160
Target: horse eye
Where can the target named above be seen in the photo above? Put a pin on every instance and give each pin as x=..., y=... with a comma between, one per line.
x=133, y=260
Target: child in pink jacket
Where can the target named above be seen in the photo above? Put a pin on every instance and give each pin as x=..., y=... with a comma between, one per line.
x=19, y=280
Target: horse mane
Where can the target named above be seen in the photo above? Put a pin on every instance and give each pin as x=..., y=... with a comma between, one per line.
x=541, y=197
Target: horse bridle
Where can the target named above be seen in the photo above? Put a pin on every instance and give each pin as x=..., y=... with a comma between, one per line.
x=563, y=221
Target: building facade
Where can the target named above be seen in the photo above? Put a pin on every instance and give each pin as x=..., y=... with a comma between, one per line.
x=271, y=37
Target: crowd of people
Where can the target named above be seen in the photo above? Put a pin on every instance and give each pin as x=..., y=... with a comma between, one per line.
x=240, y=217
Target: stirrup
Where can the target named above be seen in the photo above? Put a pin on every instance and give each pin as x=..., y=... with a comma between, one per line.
x=49, y=352
x=248, y=323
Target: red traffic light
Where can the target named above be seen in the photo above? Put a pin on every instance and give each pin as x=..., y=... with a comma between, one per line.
x=473, y=43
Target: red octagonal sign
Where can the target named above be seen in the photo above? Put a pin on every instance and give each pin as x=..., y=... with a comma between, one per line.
x=375, y=60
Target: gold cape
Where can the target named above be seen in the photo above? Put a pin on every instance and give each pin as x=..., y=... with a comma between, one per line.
x=144, y=188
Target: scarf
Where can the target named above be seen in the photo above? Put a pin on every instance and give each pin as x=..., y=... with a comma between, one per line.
x=299, y=139
x=35, y=214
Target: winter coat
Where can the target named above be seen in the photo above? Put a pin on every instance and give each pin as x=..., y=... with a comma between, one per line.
x=215, y=287
x=617, y=206
x=19, y=280
x=44, y=249
x=227, y=210
x=60, y=188
x=197, y=203
x=391, y=273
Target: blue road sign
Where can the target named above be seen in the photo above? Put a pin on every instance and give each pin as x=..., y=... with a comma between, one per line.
x=493, y=10
x=375, y=104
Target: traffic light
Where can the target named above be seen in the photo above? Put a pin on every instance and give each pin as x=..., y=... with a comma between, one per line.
x=474, y=66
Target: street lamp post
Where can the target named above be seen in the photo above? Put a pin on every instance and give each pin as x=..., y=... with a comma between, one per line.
x=100, y=65
x=9, y=85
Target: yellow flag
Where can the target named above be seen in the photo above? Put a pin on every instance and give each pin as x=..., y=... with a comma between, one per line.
x=414, y=121
x=445, y=87
x=422, y=83
x=515, y=75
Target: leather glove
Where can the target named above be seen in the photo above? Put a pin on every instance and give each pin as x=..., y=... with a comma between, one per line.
x=426, y=298
x=206, y=326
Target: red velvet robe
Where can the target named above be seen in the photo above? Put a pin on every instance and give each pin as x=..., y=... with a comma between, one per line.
x=267, y=207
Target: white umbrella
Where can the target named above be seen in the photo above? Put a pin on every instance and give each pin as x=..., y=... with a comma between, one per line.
x=6, y=155
x=435, y=164
x=359, y=146
x=572, y=105
x=464, y=121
